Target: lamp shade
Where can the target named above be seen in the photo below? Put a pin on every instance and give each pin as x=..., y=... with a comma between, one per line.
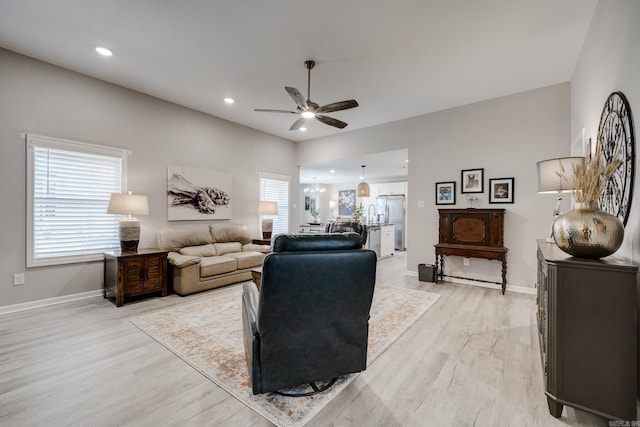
x=549, y=179
x=128, y=204
x=267, y=208
x=363, y=189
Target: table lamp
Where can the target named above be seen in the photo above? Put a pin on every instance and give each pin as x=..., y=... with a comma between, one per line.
x=128, y=204
x=267, y=209
x=550, y=180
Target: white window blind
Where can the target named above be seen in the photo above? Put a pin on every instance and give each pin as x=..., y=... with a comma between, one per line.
x=68, y=189
x=276, y=188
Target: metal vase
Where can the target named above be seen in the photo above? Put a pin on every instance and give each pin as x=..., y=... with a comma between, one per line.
x=588, y=232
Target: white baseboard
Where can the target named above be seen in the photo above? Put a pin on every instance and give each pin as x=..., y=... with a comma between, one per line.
x=510, y=288
x=49, y=301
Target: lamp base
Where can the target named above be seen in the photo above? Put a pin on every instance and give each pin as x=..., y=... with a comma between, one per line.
x=129, y=234
x=267, y=228
x=129, y=245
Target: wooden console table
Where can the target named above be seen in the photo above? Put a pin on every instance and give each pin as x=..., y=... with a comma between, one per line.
x=472, y=233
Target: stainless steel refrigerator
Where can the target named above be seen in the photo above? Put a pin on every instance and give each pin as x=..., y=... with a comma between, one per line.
x=391, y=210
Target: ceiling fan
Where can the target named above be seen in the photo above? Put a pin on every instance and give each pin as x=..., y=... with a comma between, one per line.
x=309, y=109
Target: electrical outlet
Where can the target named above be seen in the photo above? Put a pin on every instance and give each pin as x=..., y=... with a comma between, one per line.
x=465, y=261
x=18, y=279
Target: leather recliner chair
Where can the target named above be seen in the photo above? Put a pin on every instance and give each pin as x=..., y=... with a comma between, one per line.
x=310, y=320
x=346, y=226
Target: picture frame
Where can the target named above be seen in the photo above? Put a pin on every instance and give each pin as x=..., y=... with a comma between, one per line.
x=346, y=202
x=472, y=180
x=446, y=193
x=501, y=190
x=195, y=194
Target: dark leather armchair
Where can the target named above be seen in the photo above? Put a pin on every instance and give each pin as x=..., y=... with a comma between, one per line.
x=310, y=320
x=346, y=226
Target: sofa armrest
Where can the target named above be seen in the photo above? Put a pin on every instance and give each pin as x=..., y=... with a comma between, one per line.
x=181, y=261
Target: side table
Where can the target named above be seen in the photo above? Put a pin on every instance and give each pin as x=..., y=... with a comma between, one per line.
x=133, y=273
x=256, y=275
x=261, y=241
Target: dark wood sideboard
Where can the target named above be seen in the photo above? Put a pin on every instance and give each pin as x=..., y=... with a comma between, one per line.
x=473, y=233
x=587, y=329
x=134, y=273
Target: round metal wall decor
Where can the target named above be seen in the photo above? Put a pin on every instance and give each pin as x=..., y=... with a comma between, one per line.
x=616, y=132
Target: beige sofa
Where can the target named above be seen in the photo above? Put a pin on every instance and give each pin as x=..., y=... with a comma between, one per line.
x=207, y=256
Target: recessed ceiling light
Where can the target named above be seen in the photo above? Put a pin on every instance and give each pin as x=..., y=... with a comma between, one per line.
x=229, y=100
x=104, y=51
x=303, y=129
x=332, y=171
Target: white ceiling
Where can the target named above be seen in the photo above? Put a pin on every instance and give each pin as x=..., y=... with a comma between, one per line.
x=398, y=59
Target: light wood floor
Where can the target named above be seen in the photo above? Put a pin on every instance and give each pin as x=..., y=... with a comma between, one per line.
x=472, y=359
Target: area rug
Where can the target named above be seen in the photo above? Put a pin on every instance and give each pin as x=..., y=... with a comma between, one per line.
x=208, y=336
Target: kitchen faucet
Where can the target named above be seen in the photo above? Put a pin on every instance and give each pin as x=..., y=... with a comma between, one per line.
x=371, y=217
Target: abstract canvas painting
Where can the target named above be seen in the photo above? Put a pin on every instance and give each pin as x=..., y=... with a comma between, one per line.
x=198, y=194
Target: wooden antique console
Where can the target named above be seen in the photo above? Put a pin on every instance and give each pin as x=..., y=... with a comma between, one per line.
x=474, y=233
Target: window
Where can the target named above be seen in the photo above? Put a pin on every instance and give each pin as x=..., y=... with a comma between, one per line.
x=276, y=188
x=68, y=189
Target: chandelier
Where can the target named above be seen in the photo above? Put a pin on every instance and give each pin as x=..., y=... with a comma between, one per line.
x=315, y=189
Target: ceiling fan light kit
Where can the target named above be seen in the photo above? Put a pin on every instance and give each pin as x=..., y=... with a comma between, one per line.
x=309, y=109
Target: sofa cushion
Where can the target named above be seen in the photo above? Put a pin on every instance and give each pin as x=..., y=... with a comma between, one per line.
x=252, y=247
x=211, y=266
x=176, y=238
x=229, y=247
x=230, y=232
x=247, y=259
x=202, y=250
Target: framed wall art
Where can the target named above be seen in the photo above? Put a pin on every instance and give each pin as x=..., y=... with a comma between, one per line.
x=501, y=190
x=346, y=202
x=198, y=194
x=446, y=193
x=472, y=180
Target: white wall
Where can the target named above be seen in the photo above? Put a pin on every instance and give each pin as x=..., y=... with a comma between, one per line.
x=505, y=136
x=44, y=99
x=610, y=62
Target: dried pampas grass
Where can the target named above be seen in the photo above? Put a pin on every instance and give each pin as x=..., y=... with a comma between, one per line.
x=589, y=178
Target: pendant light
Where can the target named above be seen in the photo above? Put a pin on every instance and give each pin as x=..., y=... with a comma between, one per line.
x=363, y=187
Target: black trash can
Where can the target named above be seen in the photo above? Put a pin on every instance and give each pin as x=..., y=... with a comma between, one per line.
x=426, y=272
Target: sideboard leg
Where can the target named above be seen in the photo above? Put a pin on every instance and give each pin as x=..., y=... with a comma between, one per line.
x=504, y=276
x=555, y=408
x=441, y=267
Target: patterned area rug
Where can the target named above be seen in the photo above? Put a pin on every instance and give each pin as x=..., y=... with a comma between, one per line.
x=208, y=336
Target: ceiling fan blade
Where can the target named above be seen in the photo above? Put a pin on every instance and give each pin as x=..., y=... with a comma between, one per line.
x=267, y=110
x=338, y=106
x=298, y=123
x=297, y=97
x=332, y=122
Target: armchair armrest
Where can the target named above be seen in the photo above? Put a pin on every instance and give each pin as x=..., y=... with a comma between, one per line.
x=181, y=261
x=250, y=297
x=250, y=332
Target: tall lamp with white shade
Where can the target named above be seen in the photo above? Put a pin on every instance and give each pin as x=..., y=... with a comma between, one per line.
x=267, y=209
x=550, y=179
x=128, y=204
